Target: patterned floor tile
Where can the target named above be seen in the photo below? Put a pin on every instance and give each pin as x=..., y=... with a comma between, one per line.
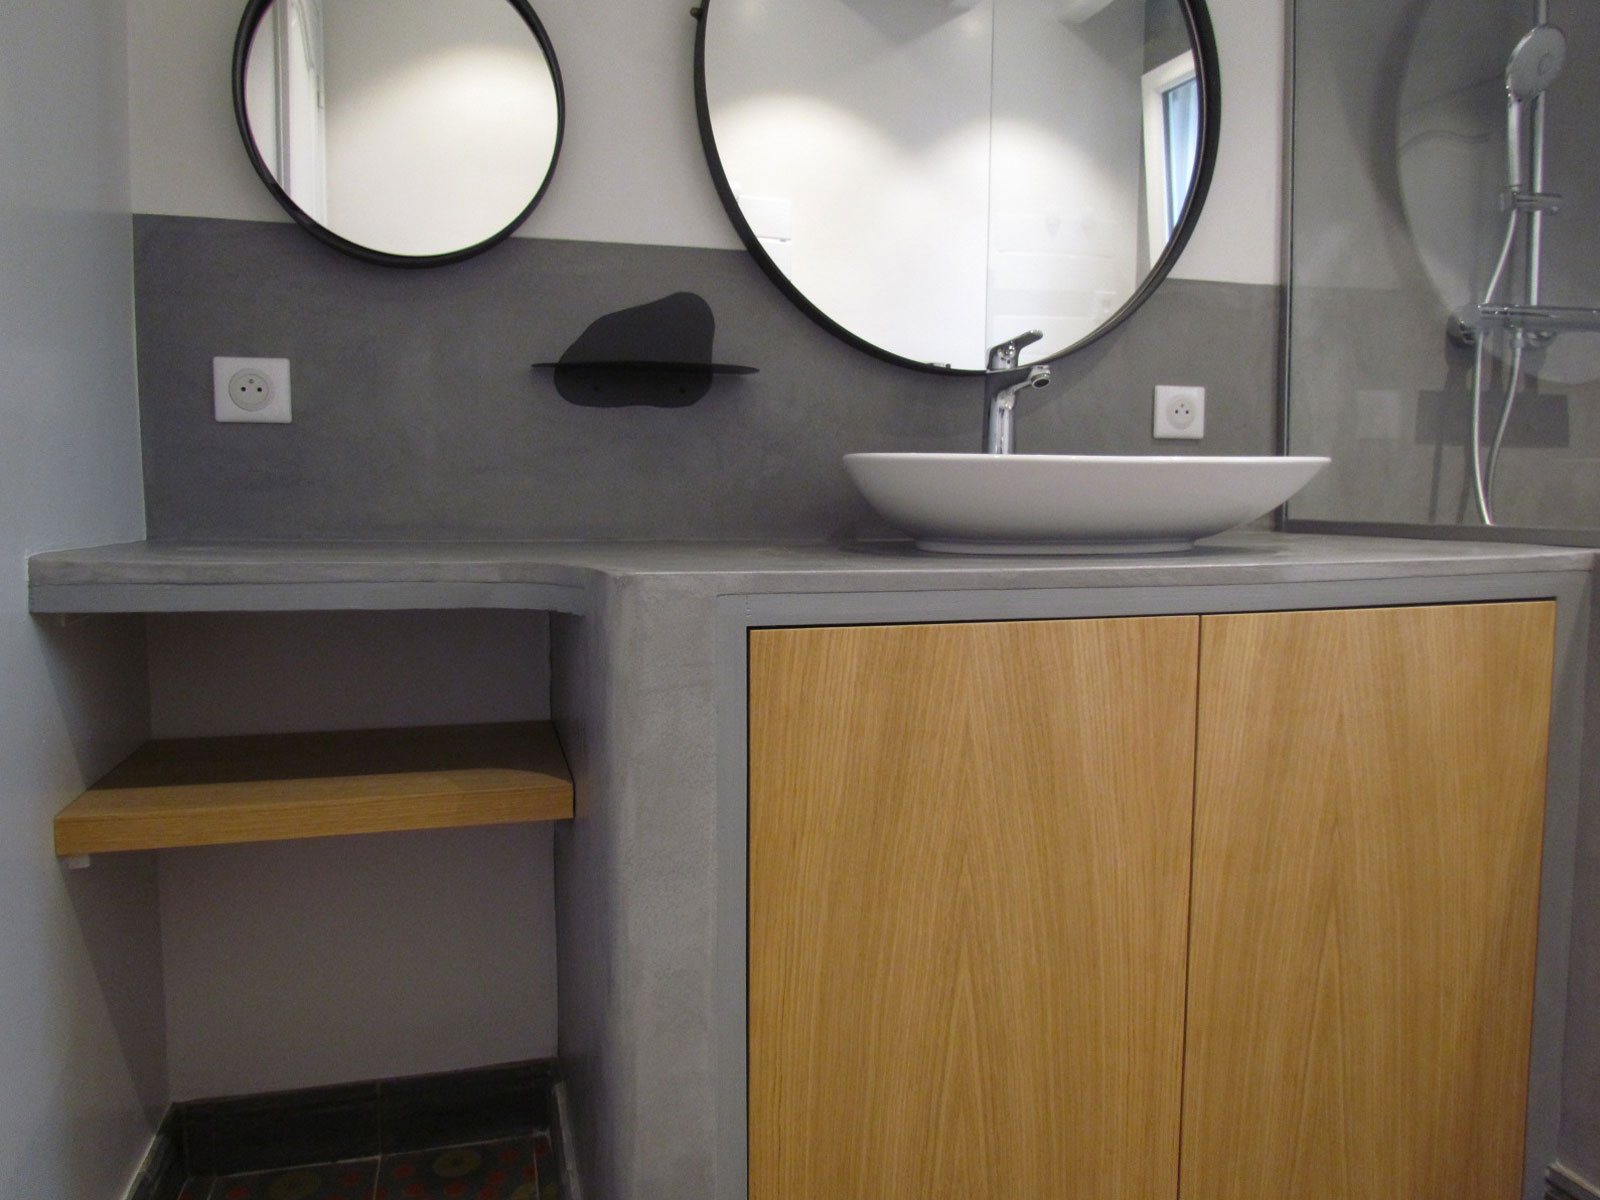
x=332, y=1181
x=520, y=1168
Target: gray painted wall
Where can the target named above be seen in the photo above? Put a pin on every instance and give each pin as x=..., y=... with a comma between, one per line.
x=81, y=1062
x=337, y=959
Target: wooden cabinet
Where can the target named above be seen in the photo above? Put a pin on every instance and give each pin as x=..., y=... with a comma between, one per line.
x=1369, y=811
x=969, y=859
x=1145, y=907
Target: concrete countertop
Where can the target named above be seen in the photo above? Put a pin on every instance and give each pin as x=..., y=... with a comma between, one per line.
x=560, y=576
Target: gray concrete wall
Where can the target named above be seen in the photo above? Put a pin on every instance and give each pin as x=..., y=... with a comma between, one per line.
x=418, y=414
x=1399, y=165
x=82, y=1058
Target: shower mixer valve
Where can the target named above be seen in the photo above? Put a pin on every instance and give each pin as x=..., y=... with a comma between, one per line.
x=1542, y=202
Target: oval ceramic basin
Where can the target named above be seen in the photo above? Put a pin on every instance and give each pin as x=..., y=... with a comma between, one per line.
x=1073, y=503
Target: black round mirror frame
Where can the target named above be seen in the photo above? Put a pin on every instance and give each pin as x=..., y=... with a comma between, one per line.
x=1201, y=37
x=254, y=11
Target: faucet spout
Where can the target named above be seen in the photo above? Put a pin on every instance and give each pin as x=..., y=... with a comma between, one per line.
x=1004, y=356
x=999, y=436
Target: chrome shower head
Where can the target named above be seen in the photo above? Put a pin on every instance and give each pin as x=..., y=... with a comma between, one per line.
x=1534, y=65
x=1536, y=62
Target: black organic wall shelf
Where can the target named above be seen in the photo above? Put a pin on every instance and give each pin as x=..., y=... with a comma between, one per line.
x=624, y=383
x=657, y=355
x=654, y=368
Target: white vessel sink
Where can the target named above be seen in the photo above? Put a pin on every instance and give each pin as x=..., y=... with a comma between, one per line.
x=1073, y=503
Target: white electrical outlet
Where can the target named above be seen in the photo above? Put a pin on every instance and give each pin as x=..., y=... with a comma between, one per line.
x=251, y=389
x=1180, y=412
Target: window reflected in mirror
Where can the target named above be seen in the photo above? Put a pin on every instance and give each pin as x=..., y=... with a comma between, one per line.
x=1171, y=138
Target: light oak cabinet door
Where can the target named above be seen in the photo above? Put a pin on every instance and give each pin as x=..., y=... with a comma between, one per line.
x=969, y=866
x=1369, y=813
x=978, y=966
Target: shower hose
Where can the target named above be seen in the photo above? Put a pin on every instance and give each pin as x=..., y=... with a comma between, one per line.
x=1483, y=473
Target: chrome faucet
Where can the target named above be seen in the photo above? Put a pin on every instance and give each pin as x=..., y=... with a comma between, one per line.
x=999, y=427
x=1004, y=356
x=997, y=424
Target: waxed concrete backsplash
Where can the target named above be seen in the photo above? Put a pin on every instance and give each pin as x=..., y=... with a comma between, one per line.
x=418, y=414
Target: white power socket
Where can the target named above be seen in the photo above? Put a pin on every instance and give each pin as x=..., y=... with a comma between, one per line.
x=251, y=389
x=1180, y=412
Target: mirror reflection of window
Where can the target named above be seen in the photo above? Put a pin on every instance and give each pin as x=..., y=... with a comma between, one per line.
x=1171, y=141
x=284, y=84
x=302, y=119
x=1182, y=108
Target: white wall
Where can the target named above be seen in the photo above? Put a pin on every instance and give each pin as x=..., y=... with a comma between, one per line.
x=339, y=959
x=80, y=995
x=632, y=169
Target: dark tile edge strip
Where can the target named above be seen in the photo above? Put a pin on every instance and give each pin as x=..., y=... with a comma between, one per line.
x=280, y=1129
x=462, y=1107
x=162, y=1174
x=236, y=1134
x=1563, y=1184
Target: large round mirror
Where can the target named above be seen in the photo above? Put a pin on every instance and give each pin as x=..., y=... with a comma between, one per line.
x=931, y=178
x=410, y=132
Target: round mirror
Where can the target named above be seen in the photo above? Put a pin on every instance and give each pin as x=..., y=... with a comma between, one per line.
x=408, y=132
x=931, y=178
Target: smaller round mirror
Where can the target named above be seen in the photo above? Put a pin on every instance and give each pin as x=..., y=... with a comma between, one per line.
x=405, y=132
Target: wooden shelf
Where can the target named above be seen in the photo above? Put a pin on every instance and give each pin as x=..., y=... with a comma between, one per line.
x=211, y=791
